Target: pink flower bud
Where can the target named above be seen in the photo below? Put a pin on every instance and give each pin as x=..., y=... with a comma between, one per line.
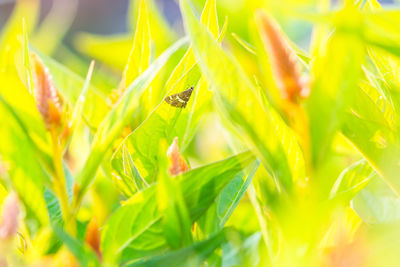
x=9, y=219
x=283, y=59
x=3, y=262
x=45, y=92
x=177, y=163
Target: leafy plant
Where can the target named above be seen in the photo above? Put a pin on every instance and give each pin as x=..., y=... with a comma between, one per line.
x=285, y=153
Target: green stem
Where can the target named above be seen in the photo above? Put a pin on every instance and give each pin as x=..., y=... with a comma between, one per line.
x=60, y=186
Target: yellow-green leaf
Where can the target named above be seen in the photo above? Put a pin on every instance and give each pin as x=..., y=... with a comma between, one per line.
x=139, y=57
x=243, y=108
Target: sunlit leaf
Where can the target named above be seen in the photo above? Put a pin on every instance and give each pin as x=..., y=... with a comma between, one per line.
x=127, y=177
x=142, y=144
x=162, y=33
x=176, y=222
x=244, y=253
x=9, y=44
x=379, y=146
x=27, y=176
x=238, y=100
x=335, y=72
x=377, y=204
x=187, y=64
x=138, y=219
x=188, y=256
x=52, y=203
x=85, y=256
x=226, y=202
x=353, y=179
x=16, y=74
x=139, y=57
x=113, y=124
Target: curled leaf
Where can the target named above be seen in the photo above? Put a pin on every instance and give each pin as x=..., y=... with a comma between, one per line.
x=283, y=59
x=45, y=93
x=177, y=163
x=9, y=218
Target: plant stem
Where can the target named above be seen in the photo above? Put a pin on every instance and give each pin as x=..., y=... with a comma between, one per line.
x=60, y=186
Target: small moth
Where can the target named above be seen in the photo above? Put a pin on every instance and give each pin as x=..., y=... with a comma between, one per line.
x=179, y=100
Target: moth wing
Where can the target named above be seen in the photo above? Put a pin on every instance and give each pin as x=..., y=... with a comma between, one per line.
x=179, y=100
x=177, y=103
x=185, y=96
x=169, y=99
x=173, y=100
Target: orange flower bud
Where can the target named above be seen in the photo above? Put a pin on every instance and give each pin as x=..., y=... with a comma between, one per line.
x=346, y=253
x=283, y=59
x=75, y=189
x=9, y=219
x=177, y=163
x=92, y=236
x=46, y=95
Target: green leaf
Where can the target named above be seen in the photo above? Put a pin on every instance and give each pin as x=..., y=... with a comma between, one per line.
x=142, y=144
x=380, y=101
x=186, y=74
x=377, y=204
x=115, y=121
x=140, y=149
x=237, y=98
x=193, y=255
x=130, y=229
x=127, y=176
x=209, y=17
x=244, y=44
x=19, y=100
x=379, y=145
x=335, y=74
x=161, y=32
x=370, y=127
x=380, y=30
x=134, y=230
x=373, y=26
x=9, y=43
x=83, y=254
x=52, y=202
x=176, y=222
x=224, y=205
x=80, y=103
x=27, y=62
x=353, y=179
x=139, y=57
x=208, y=181
x=27, y=176
x=180, y=75
x=242, y=252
